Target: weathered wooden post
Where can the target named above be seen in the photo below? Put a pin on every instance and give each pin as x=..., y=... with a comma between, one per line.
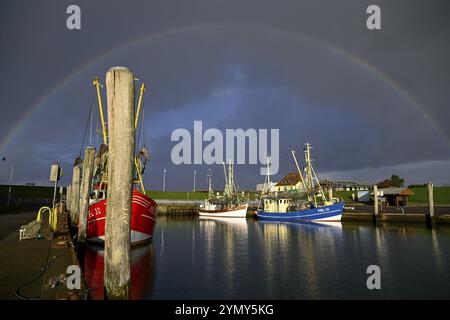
x=120, y=96
x=375, y=200
x=88, y=169
x=75, y=194
x=68, y=198
x=430, y=199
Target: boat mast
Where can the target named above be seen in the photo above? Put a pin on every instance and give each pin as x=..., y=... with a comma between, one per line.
x=266, y=186
x=210, y=191
x=308, y=172
x=226, y=189
x=97, y=85
x=141, y=93
x=300, y=173
x=231, y=177
x=137, y=163
x=312, y=176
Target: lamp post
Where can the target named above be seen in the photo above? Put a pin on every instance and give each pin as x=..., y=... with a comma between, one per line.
x=10, y=185
x=164, y=179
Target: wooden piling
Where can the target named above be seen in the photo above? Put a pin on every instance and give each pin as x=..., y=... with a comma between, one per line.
x=88, y=169
x=75, y=194
x=68, y=198
x=375, y=200
x=120, y=97
x=430, y=199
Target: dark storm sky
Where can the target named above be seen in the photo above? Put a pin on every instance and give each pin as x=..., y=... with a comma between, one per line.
x=372, y=103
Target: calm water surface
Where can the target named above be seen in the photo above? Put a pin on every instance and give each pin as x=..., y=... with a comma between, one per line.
x=197, y=258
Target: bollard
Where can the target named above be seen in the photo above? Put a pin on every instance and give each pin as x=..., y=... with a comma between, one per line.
x=375, y=200
x=75, y=194
x=120, y=97
x=88, y=169
x=430, y=199
x=68, y=198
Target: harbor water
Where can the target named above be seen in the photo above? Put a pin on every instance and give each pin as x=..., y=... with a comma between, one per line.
x=213, y=258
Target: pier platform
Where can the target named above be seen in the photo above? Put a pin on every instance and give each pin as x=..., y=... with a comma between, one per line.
x=36, y=268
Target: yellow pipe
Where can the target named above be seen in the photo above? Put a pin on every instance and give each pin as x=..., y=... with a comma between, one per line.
x=41, y=211
x=55, y=217
x=100, y=106
x=141, y=93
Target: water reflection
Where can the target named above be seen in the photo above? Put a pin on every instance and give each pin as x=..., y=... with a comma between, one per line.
x=219, y=258
x=226, y=241
x=142, y=271
x=304, y=243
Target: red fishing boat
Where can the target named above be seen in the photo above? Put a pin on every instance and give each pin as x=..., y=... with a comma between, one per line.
x=143, y=208
x=143, y=219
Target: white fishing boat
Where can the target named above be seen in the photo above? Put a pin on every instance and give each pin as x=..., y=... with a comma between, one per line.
x=229, y=205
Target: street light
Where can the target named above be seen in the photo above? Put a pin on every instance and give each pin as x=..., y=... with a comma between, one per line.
x=164, y=179
x=195, y=172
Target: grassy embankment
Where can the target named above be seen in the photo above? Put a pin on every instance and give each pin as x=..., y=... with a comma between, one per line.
x=23, y=192
x=420, y=197
x=441, y=194
x=182, y=195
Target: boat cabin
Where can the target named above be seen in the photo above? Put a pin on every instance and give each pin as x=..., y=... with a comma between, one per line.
x=277, y=205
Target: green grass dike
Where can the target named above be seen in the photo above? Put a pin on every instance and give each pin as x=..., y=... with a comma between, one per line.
x=420, y=197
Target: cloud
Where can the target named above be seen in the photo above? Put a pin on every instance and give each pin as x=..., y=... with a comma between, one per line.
x=317, y=75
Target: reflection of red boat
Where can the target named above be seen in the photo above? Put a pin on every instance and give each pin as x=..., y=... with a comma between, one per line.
x=142, y=271
x=143, y=219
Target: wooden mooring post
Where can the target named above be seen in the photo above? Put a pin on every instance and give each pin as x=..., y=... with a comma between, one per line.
x=430, y=215
x=68, y=198
x=88, y=169
x=375, y=202
x=75, y=194
x=120, y=97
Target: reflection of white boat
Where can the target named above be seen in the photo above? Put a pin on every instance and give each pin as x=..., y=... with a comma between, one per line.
x=236, y=221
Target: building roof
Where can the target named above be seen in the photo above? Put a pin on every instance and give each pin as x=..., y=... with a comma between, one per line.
x=291, y=179
x=401, y=191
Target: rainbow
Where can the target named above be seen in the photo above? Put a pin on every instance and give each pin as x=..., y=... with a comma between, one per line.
x=295, y=36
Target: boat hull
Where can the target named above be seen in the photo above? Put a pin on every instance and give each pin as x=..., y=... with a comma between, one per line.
x=143, y=219
x=331, y=213
x=234, y=212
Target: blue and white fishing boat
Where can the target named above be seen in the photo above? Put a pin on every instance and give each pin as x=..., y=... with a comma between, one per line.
x=304, y=202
